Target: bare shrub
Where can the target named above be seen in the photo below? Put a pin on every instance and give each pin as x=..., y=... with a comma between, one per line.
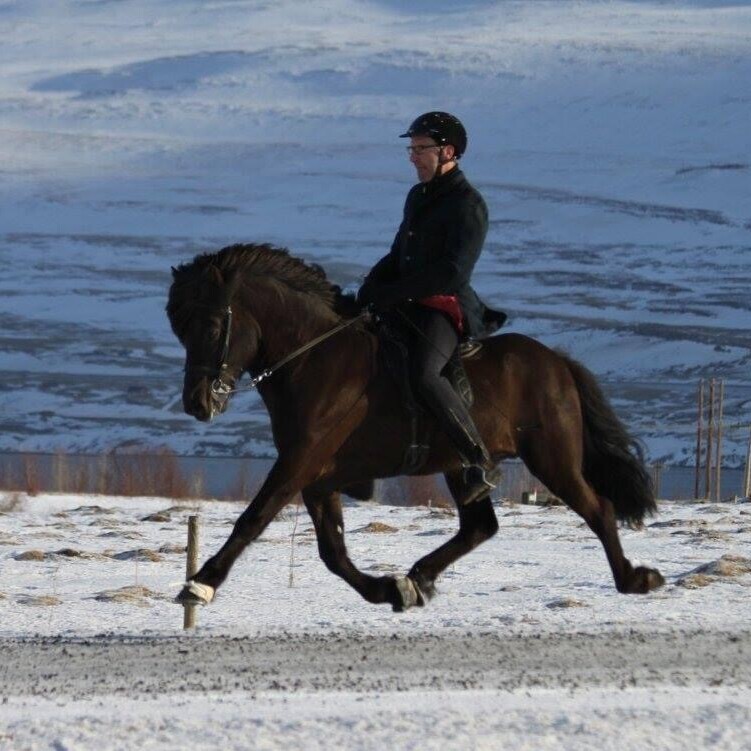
x=81, y=480
x=60, y=473
x=104, y=477
x=156, y=473
x=31, y=475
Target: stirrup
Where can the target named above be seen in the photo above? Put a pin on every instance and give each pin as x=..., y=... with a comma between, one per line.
x=478, y=482
x=475, y=474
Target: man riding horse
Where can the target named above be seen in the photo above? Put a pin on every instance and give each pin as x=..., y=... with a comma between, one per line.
x=330, y=407
x=424, y=281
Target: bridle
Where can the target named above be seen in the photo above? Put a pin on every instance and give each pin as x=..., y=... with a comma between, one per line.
x=221, y=389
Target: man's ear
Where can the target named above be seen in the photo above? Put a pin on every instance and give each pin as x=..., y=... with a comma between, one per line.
x=448, y=153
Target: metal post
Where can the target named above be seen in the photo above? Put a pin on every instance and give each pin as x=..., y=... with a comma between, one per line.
x=699, y=430
x=747, y=476
x=710, y=443
x=191, y=568
x=718, y=455
x=657, y=478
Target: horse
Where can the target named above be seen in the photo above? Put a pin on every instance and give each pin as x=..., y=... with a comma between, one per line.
x=338, y=420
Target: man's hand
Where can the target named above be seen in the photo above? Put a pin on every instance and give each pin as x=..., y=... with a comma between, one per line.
x=371, y=297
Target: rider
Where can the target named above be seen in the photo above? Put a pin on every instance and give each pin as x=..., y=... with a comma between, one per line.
x=427, y=273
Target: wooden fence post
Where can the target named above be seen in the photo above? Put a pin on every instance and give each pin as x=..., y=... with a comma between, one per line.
x=747, y=475
x=699, y=430
x=718, y=455
x=710, y=443
x=657, y=478
x=191, y=568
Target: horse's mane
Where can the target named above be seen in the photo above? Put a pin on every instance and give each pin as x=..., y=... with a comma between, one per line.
x=264, y=260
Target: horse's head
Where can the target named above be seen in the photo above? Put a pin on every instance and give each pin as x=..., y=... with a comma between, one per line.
x=205, y=315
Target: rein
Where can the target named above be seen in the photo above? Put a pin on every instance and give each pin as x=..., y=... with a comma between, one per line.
x=301, y=350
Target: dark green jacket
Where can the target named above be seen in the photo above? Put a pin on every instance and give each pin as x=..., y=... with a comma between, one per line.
x=435, y=250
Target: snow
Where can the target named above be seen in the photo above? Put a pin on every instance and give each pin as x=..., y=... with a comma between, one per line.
x=540, y=554
x=544, y=574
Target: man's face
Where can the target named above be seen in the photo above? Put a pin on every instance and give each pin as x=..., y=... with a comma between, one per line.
x=425, y=154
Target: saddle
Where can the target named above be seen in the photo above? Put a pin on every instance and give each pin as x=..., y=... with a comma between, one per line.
x=395, y=360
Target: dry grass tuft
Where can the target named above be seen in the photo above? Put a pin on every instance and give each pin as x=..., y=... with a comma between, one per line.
x=158, y=516
x=727, y=565
x=170, y=549
x=142, y=554
x=695, y=581
x=91, y=510
x=133, y=595
x=566, y=602
x=30, y=555
x=82, y=554
x=39, y=600
x=378, y=527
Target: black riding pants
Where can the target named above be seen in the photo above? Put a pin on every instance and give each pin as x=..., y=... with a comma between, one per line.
x=430, y=351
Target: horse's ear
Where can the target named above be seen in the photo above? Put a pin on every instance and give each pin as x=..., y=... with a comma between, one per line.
x=174, y=272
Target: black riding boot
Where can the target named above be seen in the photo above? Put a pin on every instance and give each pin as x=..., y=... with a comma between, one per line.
x=480, y=476
x=431, y=351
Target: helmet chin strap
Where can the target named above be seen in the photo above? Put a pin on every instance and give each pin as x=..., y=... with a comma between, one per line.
x=440, y=164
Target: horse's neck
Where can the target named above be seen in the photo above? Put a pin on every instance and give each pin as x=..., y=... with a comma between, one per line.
x=288, y=322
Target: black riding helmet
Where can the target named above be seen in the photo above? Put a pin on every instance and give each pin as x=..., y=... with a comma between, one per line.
x=442, y=127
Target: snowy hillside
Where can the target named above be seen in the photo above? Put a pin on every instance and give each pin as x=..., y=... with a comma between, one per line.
x=610, y=140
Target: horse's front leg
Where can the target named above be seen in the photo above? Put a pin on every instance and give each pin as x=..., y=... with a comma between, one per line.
x=325, y=509
x=286, y=478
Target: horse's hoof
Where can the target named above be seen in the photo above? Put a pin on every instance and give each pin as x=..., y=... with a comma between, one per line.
x=195, y=593
x=409, y=593
x=425, y=586
x=655, y=579
x=644, y=580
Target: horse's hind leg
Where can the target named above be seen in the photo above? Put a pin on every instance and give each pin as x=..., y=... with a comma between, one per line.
x=477, y=523
x=325, y=510
x=563, y=476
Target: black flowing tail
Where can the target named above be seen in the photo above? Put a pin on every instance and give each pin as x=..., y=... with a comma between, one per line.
x=613, y=460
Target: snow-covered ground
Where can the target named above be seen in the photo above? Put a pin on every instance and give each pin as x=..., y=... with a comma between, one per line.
x=610, y=140
x=591, y=669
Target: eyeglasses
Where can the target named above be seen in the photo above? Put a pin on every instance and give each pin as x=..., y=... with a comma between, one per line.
x=417, y=150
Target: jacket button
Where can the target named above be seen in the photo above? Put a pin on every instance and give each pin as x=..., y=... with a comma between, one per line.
x=407, y=258
x=410, y=234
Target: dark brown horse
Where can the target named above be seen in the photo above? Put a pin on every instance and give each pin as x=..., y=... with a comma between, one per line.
x=337, y=419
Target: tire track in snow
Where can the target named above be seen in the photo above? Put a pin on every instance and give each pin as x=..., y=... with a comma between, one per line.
x=137, y=666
